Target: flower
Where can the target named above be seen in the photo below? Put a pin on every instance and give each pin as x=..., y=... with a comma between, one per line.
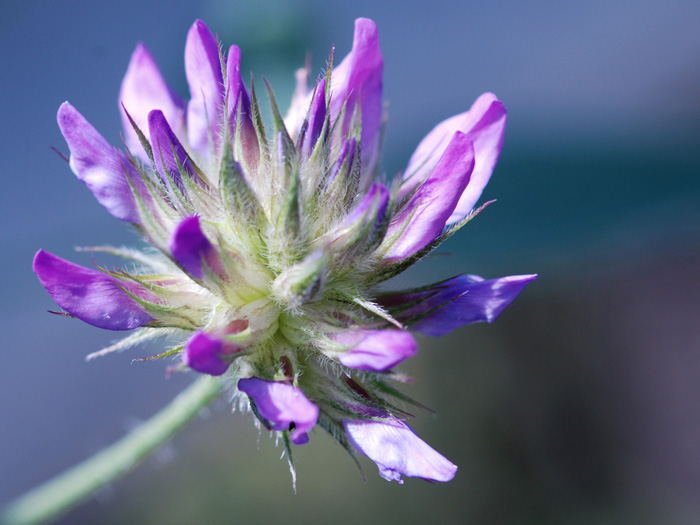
x=269, y=241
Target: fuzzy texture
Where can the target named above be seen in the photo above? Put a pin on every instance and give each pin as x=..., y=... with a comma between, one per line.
x=269, y=242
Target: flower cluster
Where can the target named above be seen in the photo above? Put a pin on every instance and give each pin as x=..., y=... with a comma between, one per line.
x=269, y=241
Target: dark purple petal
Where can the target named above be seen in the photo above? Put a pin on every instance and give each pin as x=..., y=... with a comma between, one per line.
x=238, y=99
x=89, y=295
x=459, y=301
x=424, y=217
x=168, y=151
x=143, y=90
x=397, y=450
x=282, y=405
x=203, y=354
x=99, y=165
x=359, y=77
x=315, y=120
x=190, y=247
x=203, y=70
x=484, y=124
x=375, y=350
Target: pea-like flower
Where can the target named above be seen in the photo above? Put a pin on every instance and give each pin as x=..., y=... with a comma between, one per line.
x=270, y=241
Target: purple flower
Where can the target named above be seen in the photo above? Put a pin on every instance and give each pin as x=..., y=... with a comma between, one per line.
x=92, y=296
x=205, y=354
x=270, y=243
x=397, y=450
x=443, y=307
x=282, y=407
x=375, y=350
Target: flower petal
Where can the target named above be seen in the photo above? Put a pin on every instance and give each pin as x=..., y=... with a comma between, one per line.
x=143, y=90
x=238, y=99
x=484, y=124
x=89, y=295
x=315, y=119
x=99, y=165
x=424, y=216
x=203, y=70
x=397, y=450
x=375, y=350
x=203, y=354
x=462, y=300
x=283, y=406
x=189, y=246
x=359, y=78
x=167, y=151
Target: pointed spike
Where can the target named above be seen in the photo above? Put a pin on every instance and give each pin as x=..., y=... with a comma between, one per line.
x=277, y=116
x=377, y=310
x=239, y=199
x=142, y=138
x=257, y=118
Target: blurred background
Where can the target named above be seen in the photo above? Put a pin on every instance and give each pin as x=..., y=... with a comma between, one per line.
x=581, y=404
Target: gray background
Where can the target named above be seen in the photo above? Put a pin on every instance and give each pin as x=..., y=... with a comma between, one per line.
x=580, y=404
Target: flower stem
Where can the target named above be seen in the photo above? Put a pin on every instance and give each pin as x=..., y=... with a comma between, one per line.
x=59, y=495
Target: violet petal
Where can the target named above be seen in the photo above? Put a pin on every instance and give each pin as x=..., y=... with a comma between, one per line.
x=315, y=119
x=359, y=76
x=282, y=405
x=238, y=99
x=99, y=165
x=424, y=217
x=398, y=451
x=484, y=124
x=89, y=295
x=456, y=302
x=143, y=90
x=375, y=350
x=203, y=354
x=190, y=247
x=203, y=71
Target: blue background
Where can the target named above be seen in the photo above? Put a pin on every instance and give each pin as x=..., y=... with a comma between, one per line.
x=580, y=404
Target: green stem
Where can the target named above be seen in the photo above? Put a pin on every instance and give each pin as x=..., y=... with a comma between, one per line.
x=59, y=495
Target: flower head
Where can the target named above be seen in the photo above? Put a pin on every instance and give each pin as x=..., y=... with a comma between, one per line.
x=269, y=241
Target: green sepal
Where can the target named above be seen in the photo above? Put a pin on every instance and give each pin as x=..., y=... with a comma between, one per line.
x=302, y=282
x=241, y=205
x=257, y=122
x=167, y=353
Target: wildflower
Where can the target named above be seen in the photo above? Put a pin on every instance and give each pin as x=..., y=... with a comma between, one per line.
x=269, y=242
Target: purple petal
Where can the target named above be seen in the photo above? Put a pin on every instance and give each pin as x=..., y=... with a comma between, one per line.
x=359, y=76
x=203, y=354
x=143, y=90
x=168, y=151
x=397, y=450
x=484, y=124
x=238, y=98
x=424, y=217
x=203, y=70
x=375, y=350
x=315, y=119
x=282, y=405
x=459, y=301
x=89, y=295
x=189, y=246
x=99, y=165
